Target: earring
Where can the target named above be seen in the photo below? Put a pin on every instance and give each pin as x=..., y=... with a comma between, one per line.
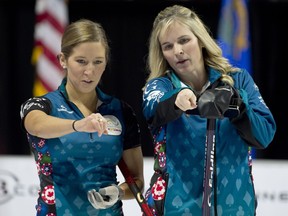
x=64, y=67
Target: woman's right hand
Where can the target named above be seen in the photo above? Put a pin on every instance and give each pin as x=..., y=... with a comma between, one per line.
x=186, y=100
x=95, y=122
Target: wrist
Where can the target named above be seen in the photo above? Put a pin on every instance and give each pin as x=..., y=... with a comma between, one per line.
x=121, y=193
x=73, y=126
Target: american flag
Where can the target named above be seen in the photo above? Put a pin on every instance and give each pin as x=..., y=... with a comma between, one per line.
x=51, y=20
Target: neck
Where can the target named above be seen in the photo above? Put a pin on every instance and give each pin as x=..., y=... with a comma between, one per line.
x=87, y=103
x=196, y=80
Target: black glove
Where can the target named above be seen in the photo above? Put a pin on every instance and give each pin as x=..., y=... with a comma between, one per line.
x=213, y=103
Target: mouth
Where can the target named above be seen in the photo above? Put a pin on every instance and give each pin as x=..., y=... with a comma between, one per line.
x=87, y=81
x=182, y=61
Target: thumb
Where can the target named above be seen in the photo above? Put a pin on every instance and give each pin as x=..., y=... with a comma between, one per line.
x=110, y=190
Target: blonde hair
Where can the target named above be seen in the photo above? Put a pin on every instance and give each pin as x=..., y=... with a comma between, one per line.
x=81, y=31
x=212, y=53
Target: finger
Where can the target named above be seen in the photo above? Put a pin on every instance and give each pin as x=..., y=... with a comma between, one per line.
x=193, y=103
x=91, y=197
x=97, y=126
x=104, y=125
x=91, y=192
x=95, y=196
x=102, y=122
x=96, y=200
x=98, y=197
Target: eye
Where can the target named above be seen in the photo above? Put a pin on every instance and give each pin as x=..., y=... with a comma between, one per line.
x=81, y=61
x=98, y=62
x=167, y=47
x=184, y=40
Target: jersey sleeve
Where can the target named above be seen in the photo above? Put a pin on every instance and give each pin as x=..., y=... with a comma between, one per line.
x=256, y=125
x=159, y=102
x=35, y=103
x=132, y=129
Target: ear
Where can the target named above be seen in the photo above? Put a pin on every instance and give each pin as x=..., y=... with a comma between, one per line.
x=62, y=60
x=201, y=45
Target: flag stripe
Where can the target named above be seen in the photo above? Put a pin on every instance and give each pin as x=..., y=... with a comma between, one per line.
x=48, y=73
x=47, y=17
x=57, y=10
x=48, y=37
x=51, y=20
x=49, y=54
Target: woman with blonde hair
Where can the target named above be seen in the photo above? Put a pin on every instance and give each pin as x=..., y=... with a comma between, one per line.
x=189, y=82
x=78, y=133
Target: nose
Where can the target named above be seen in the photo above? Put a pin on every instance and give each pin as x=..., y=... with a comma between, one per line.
x=178, y=50
x=89, y=69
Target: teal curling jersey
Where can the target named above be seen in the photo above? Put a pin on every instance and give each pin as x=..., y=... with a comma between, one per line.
x=176, y=187
x=71, y=165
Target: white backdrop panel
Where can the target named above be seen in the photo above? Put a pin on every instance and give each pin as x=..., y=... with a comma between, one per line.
x=19, y=186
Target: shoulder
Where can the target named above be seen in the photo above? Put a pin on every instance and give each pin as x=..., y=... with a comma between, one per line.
x=35, y=103
x=159, y=82
x=54, y=95
x=164, y=79
x=242, y=72
x=242, y=78
x=38, y=101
